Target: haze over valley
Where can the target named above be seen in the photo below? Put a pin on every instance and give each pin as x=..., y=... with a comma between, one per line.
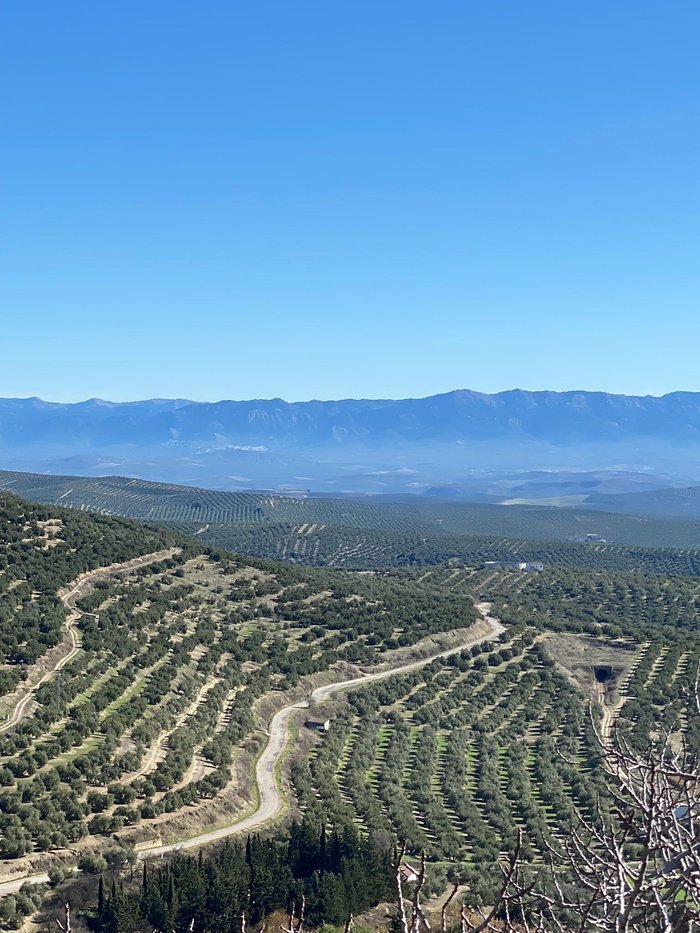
x=512, y=445
x=350, y=467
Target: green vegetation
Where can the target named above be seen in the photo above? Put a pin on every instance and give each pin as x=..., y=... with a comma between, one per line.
x=176, y=656
x=659, y=615
x=333, y=875
x=347, y=531
x=151, y=731
x=455, y=758
x=354, y=549
x=41, y=551
x=15, y=907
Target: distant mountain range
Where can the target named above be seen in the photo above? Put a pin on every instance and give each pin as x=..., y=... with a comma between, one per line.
x=455, y=443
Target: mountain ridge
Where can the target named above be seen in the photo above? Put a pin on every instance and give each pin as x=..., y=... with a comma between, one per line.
x=327, y=445
x=516, y=404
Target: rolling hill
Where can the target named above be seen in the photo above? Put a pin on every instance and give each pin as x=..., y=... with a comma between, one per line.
x=150, y=687
x=377, y=531
x=662, y=503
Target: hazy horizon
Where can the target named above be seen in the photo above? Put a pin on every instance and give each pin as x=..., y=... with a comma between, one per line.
x=78, y=400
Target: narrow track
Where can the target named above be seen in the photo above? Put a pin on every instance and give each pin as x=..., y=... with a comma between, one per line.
x=609, y=717
x=69, y=597
x=271, y=802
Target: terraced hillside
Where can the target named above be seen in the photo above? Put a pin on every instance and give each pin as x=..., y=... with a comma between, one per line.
x=147, y=723
x=149, y=686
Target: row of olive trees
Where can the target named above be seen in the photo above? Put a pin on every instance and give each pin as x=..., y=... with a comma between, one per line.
x=632, y=869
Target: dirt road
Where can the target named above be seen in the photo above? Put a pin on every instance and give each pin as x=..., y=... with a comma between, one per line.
x=610, y=714
x=270, y=800
x=69, y=597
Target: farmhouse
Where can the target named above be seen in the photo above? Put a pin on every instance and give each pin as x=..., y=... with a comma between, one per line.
x=318, y=725
x=408, y=873
x=526, y=566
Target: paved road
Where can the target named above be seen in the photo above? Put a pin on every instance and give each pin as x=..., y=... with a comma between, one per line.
x=12, y=887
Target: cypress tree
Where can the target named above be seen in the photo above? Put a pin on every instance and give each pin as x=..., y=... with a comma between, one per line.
x=322, y=857
x=336, y=854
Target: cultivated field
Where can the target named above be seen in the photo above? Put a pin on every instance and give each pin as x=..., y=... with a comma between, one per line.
x=459, y=757
x=151, y=686
x=218, y=516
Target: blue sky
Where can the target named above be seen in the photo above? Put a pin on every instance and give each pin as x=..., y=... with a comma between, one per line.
x=322, y=199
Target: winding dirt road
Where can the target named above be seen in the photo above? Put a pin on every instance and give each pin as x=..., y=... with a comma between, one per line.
x=68, y=597
x=270, y=799
x=271, y=802
x=22, y=705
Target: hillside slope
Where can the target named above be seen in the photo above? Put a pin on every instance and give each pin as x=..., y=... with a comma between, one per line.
x=683, y=503
x=141, y=669
x=231, y=519
x=190, y=666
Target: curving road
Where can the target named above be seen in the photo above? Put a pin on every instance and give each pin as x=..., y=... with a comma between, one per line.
x=270, y=799
x=22, y=704
x=271, y=802
x=68, y=598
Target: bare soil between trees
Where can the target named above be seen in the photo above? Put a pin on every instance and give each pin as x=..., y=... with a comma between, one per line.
x=271, y=799
x=57, y=658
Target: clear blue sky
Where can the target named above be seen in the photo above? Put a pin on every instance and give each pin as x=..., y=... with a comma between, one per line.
x=330, y=199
